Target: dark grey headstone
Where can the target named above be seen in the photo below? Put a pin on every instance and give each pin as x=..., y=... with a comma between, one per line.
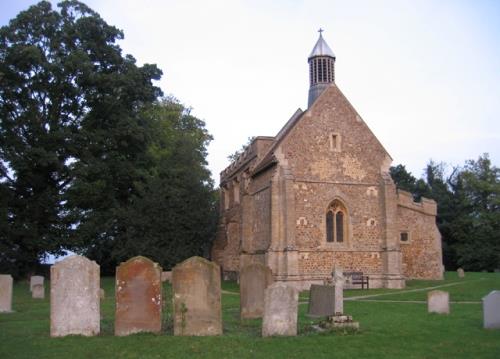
x=321, y=301
x=491, y=310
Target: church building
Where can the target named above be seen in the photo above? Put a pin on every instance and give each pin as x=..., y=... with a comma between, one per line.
x=319, y=195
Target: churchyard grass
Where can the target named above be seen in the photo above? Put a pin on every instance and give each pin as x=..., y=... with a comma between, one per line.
x=388, y=329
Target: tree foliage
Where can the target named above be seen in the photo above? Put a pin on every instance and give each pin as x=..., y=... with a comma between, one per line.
x=468, y=210
x=85, y=157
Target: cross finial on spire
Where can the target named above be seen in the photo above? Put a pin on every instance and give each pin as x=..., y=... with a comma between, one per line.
x=320, y=31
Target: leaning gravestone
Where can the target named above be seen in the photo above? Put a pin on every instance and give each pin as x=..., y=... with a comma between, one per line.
x=34, y=280
x=254, y=279
x=38, y=291
x=461, y=273
x=138, y=297
x=280, y=310
x=197, y=297
x=491, y=310
x=74, y=297
x=5, y=293
x=321, y=300
x=438, y=301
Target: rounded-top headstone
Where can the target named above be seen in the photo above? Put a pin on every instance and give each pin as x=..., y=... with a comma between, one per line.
x=254, y=279
x=138, y=297
x=74, y=297
x=491, y=310
x=197, y=297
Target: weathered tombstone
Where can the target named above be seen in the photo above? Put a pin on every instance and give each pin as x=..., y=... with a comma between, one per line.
x=339, y=281
x=34, y=280
x=321, y=300
x=280, y=310
x=197, y=297
x=491, y=310
x=438, y=301
x=166, y=276
x=102, y=294
x=138, y=297
x=38, y=291
x=5, y=293
x=461, y=273
x=74, y=297
x=254, y=279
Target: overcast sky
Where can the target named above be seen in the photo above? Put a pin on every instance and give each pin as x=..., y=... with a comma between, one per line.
x=424, y=75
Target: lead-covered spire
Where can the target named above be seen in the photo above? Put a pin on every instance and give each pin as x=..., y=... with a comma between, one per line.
x=321, y=68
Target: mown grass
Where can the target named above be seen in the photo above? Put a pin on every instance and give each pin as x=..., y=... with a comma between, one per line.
x=388, y=329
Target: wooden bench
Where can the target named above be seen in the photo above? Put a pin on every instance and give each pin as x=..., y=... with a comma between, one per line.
x=357, y=278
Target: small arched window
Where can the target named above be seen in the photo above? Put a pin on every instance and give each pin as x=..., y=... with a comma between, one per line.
x=336, y=226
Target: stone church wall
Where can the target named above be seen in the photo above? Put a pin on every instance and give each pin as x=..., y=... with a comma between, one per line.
x=422, y=255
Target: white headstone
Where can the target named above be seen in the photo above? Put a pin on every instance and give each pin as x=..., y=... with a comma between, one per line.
x=34, y=280
x=280, y=310
x=461, y=273
x=491, y=310
x=339, y=281
x=438, y=301
x=5, y=293
x=38, y=291
x=74, y=297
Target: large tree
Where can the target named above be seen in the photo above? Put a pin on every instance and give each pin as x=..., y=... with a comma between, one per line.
x=70, y=112
x=172, y=214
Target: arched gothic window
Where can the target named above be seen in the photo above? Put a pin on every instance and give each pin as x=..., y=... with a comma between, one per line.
x=336, y=226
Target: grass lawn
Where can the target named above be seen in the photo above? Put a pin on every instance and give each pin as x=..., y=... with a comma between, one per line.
x=388, y=329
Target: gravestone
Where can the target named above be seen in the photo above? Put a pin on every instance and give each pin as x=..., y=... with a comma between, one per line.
x=339, y=281
x=5, y=293
x=166, y=276
x=461, y=273
x=280, y=310
x=321, y=300
x=138, y=297
x=438, y=301
x=38, y=291
x=254, y=279
x=491, y=310
x=34, y=280
x=102, y=294
x=197, y=297
x=74, y=297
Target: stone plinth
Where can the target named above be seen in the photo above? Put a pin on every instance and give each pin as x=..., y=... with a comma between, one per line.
x=74, y=297
x=280, y=310
x=321, y=300
x=197, y=298
x=491, y=310
x=138, y=297
x=254, y=279
x=38, y=291
x=6, y=293
x=36, y=279
x=438, y=301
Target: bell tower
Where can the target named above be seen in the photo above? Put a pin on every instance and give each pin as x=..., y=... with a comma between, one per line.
x=321, y=68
